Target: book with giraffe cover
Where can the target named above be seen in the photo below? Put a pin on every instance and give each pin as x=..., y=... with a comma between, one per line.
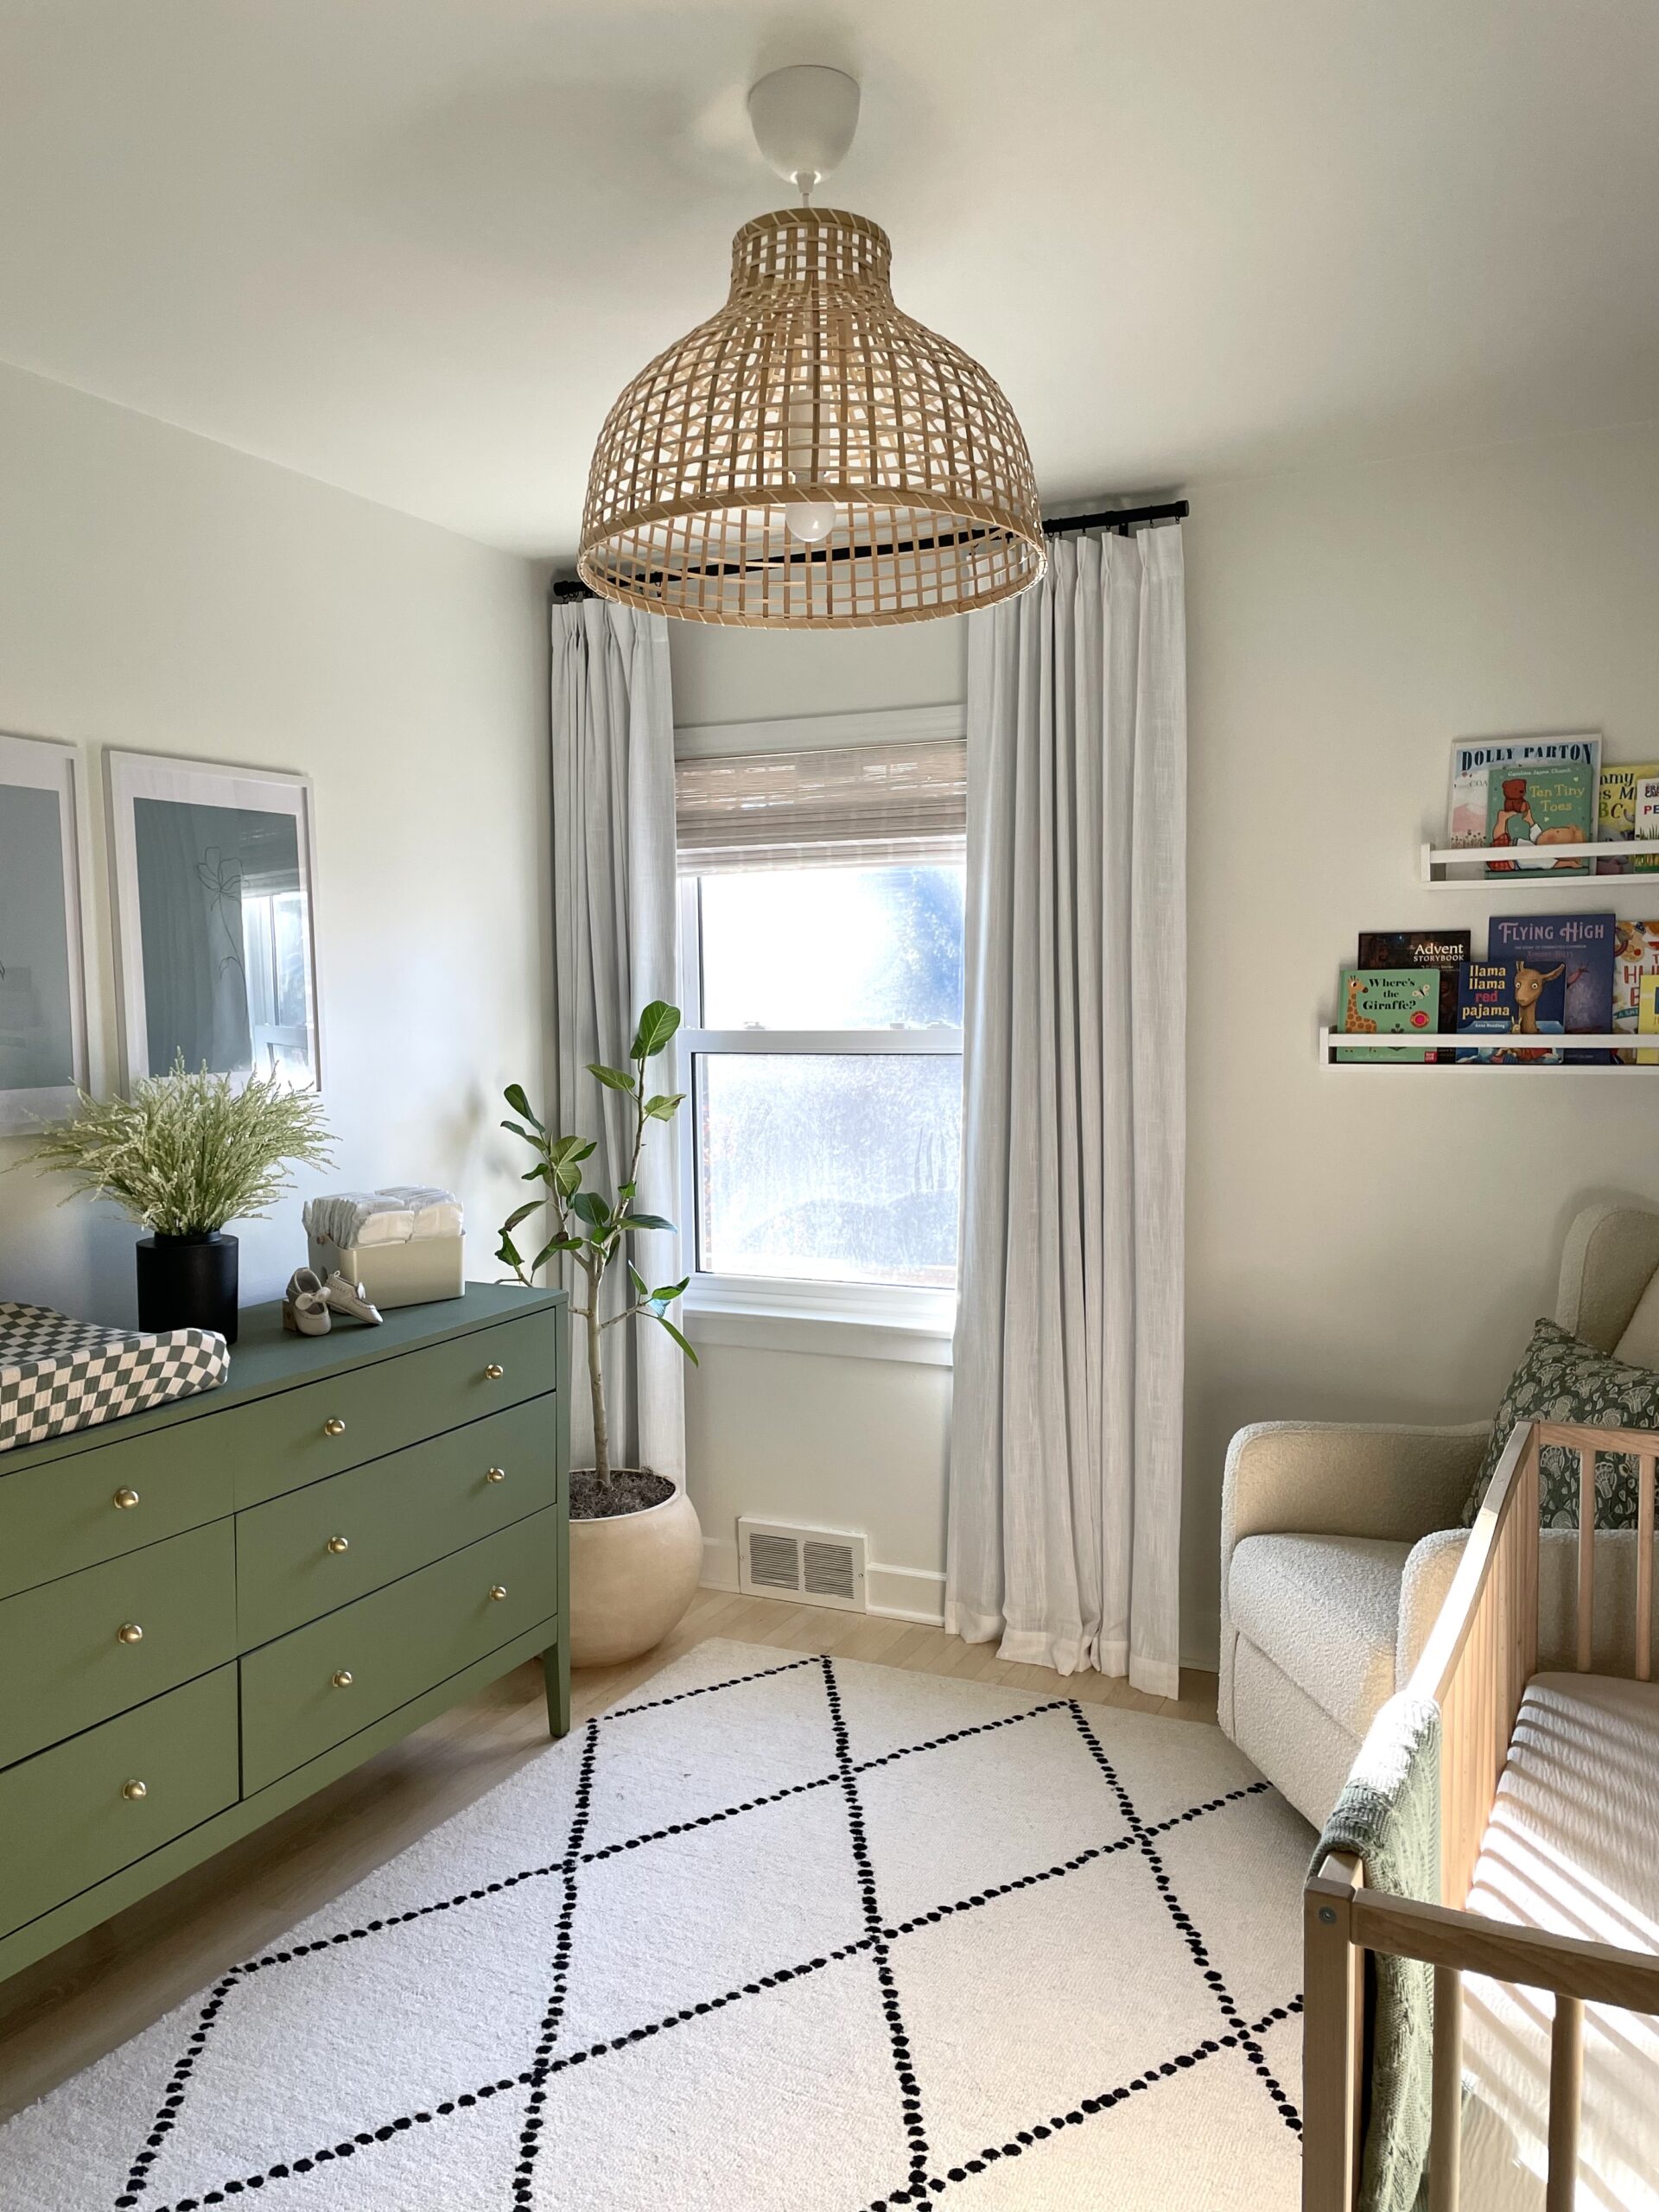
x=1384, y=1001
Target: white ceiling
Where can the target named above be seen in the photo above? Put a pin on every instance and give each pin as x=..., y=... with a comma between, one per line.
x=415, y=247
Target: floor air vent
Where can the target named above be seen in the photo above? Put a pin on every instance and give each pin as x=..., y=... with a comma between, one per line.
x=817, y=1567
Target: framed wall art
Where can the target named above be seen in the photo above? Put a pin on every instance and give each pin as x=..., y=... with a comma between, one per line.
x=42, y=980
x=214, y=871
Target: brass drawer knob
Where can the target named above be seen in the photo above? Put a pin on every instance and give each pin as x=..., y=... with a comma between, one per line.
x=124, y=1500
x=342, y=1681
x=339, y=1543
x=495, y=1475
x=334, y=1428
x=134, y=1791
x=128, y=1632
x=498, y=1590
x=493, y=1373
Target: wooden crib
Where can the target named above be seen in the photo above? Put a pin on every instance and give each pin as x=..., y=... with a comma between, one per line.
x=1481, y=1655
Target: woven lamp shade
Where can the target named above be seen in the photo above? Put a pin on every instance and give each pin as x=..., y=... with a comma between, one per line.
x=808, y=389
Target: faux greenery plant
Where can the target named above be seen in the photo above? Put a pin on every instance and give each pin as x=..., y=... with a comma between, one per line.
x=187, y=1153
x=588, y=1224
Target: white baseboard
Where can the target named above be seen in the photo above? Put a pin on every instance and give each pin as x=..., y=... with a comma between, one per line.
x=905, y=1594
x=720, y=1563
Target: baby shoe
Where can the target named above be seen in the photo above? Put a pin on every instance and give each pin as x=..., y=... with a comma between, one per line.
x=305, y=1309
x=350, y=1298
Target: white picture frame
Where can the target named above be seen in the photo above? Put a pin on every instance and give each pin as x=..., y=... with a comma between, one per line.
x=42, y=958
x=214, y=871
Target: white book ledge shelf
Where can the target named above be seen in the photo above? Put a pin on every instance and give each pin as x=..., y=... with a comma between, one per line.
x=1435, y=863
x=1499, y=1041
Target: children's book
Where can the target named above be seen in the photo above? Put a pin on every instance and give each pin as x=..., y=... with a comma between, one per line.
x=1382, y=1002
x=1586, y=944
x=1647, y=1020
x=1472, y=763
x=1617, y=808
x=1635, y=955
x=1445, y=950
x=1646, y=805
x=1533, y=807
x=1511, y=995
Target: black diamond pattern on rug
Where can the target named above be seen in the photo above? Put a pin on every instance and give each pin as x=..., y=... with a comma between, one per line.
x=861, y=1908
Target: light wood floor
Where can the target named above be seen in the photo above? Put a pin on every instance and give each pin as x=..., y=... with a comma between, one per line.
x=60, y=2015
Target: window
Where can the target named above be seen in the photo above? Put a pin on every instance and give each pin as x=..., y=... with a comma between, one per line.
x=822, y=947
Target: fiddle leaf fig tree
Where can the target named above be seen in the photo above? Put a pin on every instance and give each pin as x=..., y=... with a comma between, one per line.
x=592, y=1228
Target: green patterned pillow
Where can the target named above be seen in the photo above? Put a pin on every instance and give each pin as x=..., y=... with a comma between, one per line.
x=1561, y=1379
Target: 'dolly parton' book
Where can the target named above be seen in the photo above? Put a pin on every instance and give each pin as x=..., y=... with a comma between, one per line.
x=1445, y=950
x=1385, y=1000
x=1586, y=944
x=1474, y=762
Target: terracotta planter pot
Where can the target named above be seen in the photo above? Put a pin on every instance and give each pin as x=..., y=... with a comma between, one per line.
x=631, y=1578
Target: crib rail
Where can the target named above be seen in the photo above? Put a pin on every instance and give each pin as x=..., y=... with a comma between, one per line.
x=1475, y=1666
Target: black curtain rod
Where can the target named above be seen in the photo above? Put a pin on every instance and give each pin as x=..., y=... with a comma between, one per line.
x=563, y=589
x=1116, y=518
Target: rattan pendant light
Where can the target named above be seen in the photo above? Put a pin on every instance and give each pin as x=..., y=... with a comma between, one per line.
x=810, y=458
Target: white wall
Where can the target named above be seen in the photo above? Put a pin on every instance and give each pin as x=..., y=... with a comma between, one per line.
x=1360, y=1243
x=160, y=592
x=1370, y=1243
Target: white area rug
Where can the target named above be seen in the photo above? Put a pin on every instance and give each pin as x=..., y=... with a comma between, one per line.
x=790, y=1933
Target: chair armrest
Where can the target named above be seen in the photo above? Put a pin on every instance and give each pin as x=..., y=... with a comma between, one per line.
x=1430, y=1569
x=1331, y=1478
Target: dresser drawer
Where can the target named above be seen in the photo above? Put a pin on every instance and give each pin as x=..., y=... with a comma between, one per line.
x=65, y=1820
x=323, y=1682
x=73, y=1652
x=319, y=1547
x=75, y=1512
x=321, y=1428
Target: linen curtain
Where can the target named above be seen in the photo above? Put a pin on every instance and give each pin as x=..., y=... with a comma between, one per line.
x=1065, y=1463
x=613, y=920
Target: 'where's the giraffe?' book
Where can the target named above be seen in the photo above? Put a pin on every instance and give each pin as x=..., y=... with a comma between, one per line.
x=1384, y=1001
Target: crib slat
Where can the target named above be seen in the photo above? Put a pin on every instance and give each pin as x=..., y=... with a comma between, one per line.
x=1646, y=1466
x=1586, y=1555
x=1566, y=2095
x=1445, y=2137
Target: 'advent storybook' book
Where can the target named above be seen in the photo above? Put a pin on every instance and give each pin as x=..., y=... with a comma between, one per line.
x=1585, y=943
x=1511, y=995
x=1635, y=955
x=1473, y=764
x=1445, y=950
x=1385, y=1000
x=1533, y=806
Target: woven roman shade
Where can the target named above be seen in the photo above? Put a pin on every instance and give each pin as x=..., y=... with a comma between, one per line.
x=852, y=806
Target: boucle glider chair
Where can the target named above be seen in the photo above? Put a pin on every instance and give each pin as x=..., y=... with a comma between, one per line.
x=1338, y=1542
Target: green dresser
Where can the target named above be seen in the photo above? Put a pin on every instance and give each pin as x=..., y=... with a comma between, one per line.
x=212, y=1609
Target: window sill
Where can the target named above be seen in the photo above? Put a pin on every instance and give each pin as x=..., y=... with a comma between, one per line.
x=842, y=1320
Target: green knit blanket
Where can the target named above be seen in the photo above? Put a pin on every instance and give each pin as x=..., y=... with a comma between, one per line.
x=1388, y=1816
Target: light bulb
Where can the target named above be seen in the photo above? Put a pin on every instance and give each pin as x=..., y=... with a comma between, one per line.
x=809, y=520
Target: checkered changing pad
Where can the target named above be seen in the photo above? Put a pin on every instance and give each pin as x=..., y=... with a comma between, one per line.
x=57, y=1374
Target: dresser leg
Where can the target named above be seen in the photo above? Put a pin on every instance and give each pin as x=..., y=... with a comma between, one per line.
x=555, y=1668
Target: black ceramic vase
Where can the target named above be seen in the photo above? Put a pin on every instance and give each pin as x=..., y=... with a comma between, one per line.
x=188, y=1282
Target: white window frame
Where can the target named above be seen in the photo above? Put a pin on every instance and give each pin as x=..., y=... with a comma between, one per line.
x=865, y=1320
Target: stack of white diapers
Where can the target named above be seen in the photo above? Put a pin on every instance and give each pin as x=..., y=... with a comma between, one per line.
x=403, y=1243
